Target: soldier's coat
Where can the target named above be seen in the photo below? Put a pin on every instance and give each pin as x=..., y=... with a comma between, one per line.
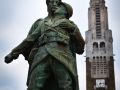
x=65, y=54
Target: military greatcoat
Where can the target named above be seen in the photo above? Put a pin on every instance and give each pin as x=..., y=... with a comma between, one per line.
x=45, y=38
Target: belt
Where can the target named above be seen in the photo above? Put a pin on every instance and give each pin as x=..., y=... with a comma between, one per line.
x=45, y=39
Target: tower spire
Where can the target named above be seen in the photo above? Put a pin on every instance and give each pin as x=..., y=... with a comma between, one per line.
x=98, y=18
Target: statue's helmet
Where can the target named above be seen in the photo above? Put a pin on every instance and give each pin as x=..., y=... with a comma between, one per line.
x=47, y=1
x=68, y=8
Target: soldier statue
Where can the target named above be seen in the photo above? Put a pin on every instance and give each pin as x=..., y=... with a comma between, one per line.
x=50, y=49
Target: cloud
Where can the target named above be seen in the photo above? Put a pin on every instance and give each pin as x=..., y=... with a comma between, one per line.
x=81, y=65
x=6, y=81
x=14, y=75
x=7, y=9
x=6, y=88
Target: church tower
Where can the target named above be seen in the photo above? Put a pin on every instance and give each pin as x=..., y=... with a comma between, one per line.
x=99, y=49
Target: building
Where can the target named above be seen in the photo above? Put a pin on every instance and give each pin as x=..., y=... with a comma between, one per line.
x=99, y=49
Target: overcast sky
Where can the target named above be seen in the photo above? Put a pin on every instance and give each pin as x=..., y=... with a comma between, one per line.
x=16, y=18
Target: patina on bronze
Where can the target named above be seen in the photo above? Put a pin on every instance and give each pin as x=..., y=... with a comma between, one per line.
x=50, y=49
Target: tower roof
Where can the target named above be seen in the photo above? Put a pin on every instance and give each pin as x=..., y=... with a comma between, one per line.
x=97, y=2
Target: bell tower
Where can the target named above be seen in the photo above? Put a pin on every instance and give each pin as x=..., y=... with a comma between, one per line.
x=99, y=49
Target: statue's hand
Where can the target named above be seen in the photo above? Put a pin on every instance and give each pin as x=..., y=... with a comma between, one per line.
x=10, y=57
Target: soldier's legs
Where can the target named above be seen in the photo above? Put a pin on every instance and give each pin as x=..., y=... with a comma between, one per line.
x=39, y=75
x=62, y=75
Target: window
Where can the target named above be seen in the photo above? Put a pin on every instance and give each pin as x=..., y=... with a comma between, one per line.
x=98, y=24
x=95, y=45
x=99, y=66
x=102, y=47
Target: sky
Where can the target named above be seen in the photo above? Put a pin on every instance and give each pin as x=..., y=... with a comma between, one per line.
x=16, y=19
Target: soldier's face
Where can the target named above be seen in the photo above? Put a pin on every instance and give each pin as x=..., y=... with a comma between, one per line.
x=53, y=5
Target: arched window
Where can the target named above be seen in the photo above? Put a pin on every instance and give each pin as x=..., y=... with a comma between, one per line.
x=102, y=45
x=104, y=57
x=95, y=45
x=100, y=57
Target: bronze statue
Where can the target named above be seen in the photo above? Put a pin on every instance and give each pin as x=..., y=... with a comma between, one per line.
x=50, y=49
